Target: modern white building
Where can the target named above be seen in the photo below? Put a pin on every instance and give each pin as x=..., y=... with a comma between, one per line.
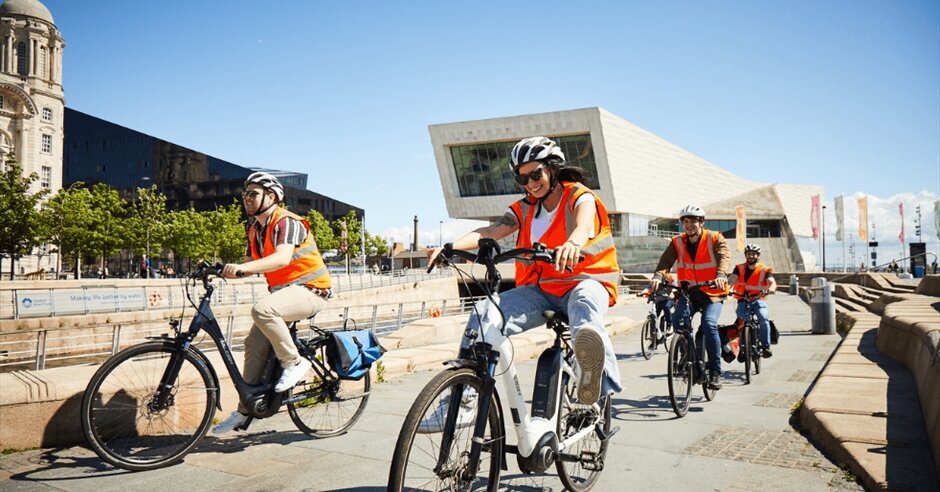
x=643, y=180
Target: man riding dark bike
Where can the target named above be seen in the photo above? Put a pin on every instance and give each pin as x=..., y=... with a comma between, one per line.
x=757, y=280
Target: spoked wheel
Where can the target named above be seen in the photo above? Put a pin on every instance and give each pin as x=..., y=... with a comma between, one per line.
x=424, y=461
x=591, y=451
x=680, y=374
x=709, y=393
x=123, y=418
x=757, y=357
x=648, y=341
x=747, y=347
x=328, y=407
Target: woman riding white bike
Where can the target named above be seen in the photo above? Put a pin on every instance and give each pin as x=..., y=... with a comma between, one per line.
x=562, y=214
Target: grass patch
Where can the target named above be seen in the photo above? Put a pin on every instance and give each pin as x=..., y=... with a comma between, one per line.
x=7, y=451
x=379, y=372
x=797, y=405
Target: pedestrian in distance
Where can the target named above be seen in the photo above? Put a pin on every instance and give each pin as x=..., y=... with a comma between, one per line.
x=282, y=247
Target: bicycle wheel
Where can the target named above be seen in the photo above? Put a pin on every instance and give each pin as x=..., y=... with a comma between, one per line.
x=648, y=339
x=757, y=357
x=327, y=407
x=680, y=374
x=580, y=475
x=419, y=463
x=121, y=419
x=748, y=353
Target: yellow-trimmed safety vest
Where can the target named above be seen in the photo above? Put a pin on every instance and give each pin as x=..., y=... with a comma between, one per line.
x=600, y=256
x=754, y=284
x=705, y=265
x=306, y=266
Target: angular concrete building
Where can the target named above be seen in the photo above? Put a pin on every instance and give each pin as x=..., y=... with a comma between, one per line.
x=643, y=180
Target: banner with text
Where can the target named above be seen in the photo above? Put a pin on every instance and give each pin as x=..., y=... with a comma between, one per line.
x=35, y=303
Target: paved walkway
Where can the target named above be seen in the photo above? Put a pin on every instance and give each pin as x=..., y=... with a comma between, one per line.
x=741, y=441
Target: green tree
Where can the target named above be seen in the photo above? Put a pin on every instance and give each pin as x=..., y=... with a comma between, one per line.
x=148, y=219
x=186, y=234
x=67, y=221
x=353, y=232
x=109, y=225
x=376, y=245
x=322, y=232
x=20, y=223
x=226, y=233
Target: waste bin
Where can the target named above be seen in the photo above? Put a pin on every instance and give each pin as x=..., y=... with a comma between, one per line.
x=794, y=285
x=822, y=308
x=918, y=271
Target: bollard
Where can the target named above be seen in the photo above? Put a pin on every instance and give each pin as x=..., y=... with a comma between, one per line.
x=822, y=308
x=794, y=285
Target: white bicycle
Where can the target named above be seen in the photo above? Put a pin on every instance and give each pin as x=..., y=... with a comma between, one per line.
x=463, y=445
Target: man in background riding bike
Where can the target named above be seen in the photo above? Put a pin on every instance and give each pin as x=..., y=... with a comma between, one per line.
x=701, y=257
x=757, y=280
x=664, y=301
x=581, y=289
x=282, y=247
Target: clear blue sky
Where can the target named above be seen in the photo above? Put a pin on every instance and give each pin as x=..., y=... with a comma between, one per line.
x=843, y=94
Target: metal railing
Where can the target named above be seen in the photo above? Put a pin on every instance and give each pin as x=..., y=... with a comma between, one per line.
x=38, y=349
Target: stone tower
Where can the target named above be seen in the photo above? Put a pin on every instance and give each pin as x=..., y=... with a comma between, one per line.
x=32, y=103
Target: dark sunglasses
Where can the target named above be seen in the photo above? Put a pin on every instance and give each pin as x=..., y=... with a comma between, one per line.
x=523, y=179
x=251, y=194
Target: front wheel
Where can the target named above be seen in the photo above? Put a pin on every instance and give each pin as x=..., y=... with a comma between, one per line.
x=757, y=352
x=133, y=424
x=328, y=407
x=747, y=347
x=680, y=374
x=648, y=339
x=427, y=458
x=591, y=450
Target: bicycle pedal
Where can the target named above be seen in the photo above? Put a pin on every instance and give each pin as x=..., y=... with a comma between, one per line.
x=244, y=426
x=590, y=461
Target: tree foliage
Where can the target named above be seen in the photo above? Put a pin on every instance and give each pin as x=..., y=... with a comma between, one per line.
x=148, y=220
x=322, y=232
x=20, y=224
x=353, y=232
x=109, y=225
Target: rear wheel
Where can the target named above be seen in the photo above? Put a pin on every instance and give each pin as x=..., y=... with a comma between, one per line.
x=420, y=463
x=648, y=339
x=757, y=351
x=748, y=348
x=123, y=417
x=680, y=374
x=328, y=407
x=581, y=475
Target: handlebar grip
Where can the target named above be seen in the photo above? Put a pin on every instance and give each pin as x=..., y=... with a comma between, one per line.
x=239, y=273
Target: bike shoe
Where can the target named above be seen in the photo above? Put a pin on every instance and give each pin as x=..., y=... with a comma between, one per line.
x=292, y=375
x=434, y=423
x=714, y=380
x=234, y=420
x=766, y=353
x=589, y=350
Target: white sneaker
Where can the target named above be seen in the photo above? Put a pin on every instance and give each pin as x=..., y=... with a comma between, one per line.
x=589, y=350
x=292, y=375
x=234, y=420
x=435, y=422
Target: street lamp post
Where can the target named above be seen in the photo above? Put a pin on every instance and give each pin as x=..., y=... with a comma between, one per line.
x=440, y=233
x=822, y=221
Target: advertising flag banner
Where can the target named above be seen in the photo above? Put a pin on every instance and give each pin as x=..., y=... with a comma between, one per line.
x=741, y=230
x=936, y=219
x=840, y=217
x=863, y=218
x=814, y=216
x=901, y=235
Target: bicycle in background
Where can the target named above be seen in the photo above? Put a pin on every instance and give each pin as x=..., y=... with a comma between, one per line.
x=466, y=448
x=686, y=360
x=751, y=349
x=150, y=404
x=656, y=330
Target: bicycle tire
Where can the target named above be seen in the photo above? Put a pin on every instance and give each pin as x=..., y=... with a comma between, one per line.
x=415, y=456
x=680, y=374
x=748, y=353
x=329, y=407
x=118, y=421
x=757, y=351
x=648, y=339
x=574, y=475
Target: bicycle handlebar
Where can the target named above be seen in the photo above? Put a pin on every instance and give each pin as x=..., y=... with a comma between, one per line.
x=489, y=254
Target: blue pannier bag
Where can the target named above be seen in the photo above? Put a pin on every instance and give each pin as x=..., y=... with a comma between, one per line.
x=353, y=352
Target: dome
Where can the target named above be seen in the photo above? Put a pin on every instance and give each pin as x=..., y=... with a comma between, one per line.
x=30, y=8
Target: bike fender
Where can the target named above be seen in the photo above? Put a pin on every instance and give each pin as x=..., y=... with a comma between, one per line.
x=215, y=377
x=501, y=431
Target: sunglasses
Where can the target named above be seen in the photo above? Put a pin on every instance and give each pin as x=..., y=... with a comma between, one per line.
x=251, y=194
x=523, y=179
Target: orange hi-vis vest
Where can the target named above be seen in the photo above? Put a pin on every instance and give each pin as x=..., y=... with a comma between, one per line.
x=600, y=256
x=306, y=266
x=705, y=265
x=754, y=284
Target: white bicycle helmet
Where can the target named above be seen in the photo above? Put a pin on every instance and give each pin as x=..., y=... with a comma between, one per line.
x=535, y=149
x=692, y=211
x=751, y=247
x=267, y=182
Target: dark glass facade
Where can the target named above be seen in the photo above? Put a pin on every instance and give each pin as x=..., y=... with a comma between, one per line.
x=483, y=169
x=98, y=151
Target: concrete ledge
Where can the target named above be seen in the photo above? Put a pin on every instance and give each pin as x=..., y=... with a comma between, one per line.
x=865, y=411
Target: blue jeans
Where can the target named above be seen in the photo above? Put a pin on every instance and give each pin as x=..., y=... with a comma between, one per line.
x=665, y=306
x=708, y=329
x=759, y=306
x=523, y=306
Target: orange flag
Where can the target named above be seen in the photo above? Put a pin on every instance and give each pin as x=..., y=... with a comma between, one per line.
x=863, y=218
x=741, y=230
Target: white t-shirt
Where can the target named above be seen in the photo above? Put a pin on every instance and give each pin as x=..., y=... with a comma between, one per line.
x=540, y=224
